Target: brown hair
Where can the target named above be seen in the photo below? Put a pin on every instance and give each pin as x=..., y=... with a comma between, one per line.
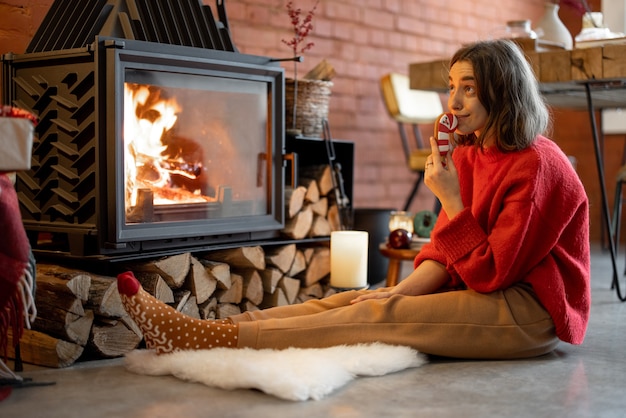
x=509, y=91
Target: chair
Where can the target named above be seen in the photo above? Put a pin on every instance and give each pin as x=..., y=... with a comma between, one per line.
x=411, y=108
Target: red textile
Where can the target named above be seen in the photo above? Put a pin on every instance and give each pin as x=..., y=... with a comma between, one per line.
x=526, y=220
x=14, y=112
x=14, y=253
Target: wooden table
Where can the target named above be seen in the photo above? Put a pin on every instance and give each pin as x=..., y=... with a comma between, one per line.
x=396, y=257
x=585, y=79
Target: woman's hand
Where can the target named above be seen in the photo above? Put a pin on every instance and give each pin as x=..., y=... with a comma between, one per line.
x=427, y=278
x=379, y=294
x=443, y=180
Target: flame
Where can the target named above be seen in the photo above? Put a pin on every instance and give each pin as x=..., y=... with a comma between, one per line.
x=147, y=118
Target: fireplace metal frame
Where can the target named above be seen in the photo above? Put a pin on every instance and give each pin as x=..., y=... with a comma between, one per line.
x=105, y=235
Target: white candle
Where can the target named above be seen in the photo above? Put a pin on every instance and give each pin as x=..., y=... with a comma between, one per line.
x=401, y=220
x=348, y=259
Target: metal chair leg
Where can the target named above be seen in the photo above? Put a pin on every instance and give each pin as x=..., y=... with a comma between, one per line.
x=617, y=210
x=416, y=186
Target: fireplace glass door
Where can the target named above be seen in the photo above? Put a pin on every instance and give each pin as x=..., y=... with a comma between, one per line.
x=198, y=147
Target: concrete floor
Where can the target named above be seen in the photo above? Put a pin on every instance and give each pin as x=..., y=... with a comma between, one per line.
x=573, y=381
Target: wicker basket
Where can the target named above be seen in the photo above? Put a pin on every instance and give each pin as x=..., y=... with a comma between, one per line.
x=311, y=105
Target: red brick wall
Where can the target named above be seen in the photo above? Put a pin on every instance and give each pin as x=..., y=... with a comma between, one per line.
x=364, y=39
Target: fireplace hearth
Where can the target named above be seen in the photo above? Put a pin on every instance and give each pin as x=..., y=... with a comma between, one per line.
x=155, y=135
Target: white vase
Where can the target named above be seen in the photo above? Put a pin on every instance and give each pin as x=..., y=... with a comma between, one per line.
x=551, y=28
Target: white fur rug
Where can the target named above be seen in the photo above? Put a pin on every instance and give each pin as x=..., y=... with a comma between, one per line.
x=294, y=374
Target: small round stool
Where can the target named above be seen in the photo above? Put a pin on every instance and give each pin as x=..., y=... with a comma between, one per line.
x=396, y=257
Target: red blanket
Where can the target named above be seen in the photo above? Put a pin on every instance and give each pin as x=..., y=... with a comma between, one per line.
x=14, y=256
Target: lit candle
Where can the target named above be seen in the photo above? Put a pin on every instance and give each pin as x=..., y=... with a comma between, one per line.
x=348, y=259
x=401, y=220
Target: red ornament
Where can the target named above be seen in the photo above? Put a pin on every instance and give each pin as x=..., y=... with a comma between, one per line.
x=399, y=239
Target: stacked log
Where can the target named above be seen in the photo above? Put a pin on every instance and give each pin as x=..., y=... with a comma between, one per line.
x=80, y=313
x=310, y=209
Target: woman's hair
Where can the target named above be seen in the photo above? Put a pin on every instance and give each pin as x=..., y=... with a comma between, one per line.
x=508, y=89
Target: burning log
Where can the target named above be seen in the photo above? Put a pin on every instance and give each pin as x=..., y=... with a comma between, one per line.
x=143, y=211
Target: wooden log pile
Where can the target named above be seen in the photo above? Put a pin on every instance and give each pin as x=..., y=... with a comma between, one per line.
x=310, y=207
x=80, y=313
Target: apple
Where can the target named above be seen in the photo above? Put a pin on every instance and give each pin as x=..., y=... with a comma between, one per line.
x=399, y=239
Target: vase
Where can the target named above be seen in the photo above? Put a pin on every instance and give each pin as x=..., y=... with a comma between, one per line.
x=551, y=28
x=308, y=104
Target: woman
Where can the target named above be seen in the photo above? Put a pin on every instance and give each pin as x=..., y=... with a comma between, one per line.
x=506, y=274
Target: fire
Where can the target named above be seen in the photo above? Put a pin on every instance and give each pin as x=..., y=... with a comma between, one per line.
x=147, y=118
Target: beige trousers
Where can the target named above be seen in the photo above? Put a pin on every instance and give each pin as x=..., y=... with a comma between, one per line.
x=463, y=324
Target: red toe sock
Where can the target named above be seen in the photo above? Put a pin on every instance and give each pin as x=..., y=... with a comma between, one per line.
x=127, y=284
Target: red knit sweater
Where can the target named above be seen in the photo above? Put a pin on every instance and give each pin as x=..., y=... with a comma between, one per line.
x=526, y=219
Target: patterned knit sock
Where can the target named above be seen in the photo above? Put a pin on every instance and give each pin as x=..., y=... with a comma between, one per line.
x=164, y=328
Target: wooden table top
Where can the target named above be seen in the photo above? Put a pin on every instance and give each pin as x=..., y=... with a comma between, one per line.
x=401, y=254
x=563, y=75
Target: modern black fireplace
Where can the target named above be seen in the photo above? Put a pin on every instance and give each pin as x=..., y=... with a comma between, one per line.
x=147, y=146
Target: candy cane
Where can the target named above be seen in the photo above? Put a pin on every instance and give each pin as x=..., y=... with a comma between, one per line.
x=445, y=126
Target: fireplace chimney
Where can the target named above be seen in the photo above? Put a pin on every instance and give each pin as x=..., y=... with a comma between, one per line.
x=73, y=24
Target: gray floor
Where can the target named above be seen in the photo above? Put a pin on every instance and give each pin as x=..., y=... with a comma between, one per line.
x=574, y=381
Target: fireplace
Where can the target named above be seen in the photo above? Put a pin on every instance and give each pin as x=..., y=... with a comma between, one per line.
x=145, y=147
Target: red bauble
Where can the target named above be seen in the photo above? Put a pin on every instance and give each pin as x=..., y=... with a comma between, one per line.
x=399, y=239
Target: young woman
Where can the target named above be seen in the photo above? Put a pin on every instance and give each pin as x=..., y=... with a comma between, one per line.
x=506, y=274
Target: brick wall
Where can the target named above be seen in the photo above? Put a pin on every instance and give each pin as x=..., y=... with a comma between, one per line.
x=364, y=39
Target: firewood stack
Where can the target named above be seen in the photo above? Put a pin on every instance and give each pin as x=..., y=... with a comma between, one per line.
x=80, y=313
x=310, y=209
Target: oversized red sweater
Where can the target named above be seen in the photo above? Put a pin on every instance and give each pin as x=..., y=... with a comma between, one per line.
x=526, y=219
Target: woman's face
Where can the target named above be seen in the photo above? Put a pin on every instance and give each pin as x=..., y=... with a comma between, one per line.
x=463, y=100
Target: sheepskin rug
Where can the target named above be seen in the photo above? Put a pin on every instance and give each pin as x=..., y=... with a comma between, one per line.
x=294, y=374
